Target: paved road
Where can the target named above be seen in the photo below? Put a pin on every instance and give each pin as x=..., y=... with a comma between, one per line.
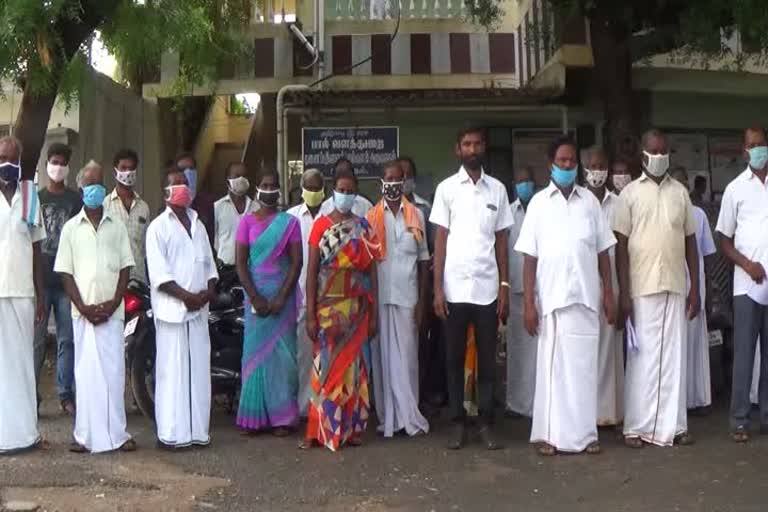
x=265, y=473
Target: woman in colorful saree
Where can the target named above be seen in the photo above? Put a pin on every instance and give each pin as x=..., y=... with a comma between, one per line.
x=341, y=318
x=268, y=255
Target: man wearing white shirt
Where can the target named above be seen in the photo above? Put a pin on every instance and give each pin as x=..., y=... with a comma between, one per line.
x=183, y=276
x=229, y=211
x=312, y=195
x=565, y=239
x=610, y=358
x=521, y=346
x=743, y=229
x=343, y=167
x=699, y=387
x=472, y=217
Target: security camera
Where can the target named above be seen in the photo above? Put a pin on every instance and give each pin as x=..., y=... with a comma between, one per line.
x=299, y=35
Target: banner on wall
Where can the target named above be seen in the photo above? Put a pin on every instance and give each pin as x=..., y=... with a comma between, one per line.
x=366, y=147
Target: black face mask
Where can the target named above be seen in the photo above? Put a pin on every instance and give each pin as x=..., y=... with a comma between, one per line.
x=9, y=172
x=267, y=197
x=392, y=190
x=473, y=163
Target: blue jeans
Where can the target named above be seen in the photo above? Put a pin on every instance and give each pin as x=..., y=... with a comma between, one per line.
x=57, y=299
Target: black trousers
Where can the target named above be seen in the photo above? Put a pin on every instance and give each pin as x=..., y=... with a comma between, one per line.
x=484, y=318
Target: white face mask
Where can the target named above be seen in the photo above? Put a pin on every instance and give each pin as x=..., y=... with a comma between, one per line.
x=657, y=165
x=57, y=173
x=239, y=186
x=596, y=178
x=620, y=181
x=127, y=178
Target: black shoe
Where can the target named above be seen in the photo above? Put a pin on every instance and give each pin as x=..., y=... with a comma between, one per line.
x=457, y=438
x=489, y=438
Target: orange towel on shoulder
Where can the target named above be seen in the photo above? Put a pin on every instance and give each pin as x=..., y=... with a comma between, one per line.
x=413, y=224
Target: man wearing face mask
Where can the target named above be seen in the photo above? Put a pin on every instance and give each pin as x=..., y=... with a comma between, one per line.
x=610, y=362
x=521, y=346
x=402, y=276
x=566, y=276
x=94, y=261
x=344, y=169
x=230, y=210
x=742, y=228
x=21, y=301
x=471, y=283
x=620, y=175
x=312, y=195
x=58, y=204
x=125, y=205
x=202, y=202
x=656, y=232
x=180, y=297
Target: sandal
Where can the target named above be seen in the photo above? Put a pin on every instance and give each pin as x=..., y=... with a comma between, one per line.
x=633, y=442
x=76, y=447
x=306, y=444
x=128, y=446
x=740, y=435
x=594, y=448
x=684, y=439
x=546, y=450
x=355, y=441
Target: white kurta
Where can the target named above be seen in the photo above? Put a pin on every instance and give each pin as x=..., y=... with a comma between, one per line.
x=655, y=392
x=18, y=406
x=183, y=383
x=100, y=424
x=565, y=406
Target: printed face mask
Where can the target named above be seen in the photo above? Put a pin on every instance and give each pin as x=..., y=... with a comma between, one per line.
x=657, y=165
x=239, y=186
x=620, y=181
x=392, y=190
x=596, y=178
x=127, y=178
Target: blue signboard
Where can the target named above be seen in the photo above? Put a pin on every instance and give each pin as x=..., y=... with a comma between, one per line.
x=366, y=147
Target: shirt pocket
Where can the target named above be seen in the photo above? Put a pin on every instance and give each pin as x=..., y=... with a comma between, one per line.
x=584, y=231
x=406, y=244
x=675, y=212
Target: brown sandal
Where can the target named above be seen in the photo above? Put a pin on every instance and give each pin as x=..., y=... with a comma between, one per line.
x=740, y=435
x=129, y=446
x=76, y=447
x=594, y=448
x=633, y=442
x=684, y=439
x=546, y=450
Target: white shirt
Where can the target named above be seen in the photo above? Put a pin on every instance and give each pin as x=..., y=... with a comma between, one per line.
x=227, y=219
x=174, y=255
x=566, y=238
x=609, y=204
x=706, y=246
x=360, y=208
x=744, y=217
x=16, y=239
x=398, y=272
x=516, y=259
x=301, y=212
x=472, y=213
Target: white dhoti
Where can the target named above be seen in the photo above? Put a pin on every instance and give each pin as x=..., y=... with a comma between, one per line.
x=18, y=405
x=521, y=360
x=396, y=371
x=183, y=382
x=655, y=381
x=699, y=387
x=304, y=356
x=610, y=374
x=565, y=404
x=100, y=424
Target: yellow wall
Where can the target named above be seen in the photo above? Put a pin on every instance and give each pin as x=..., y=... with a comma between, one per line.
x=219, y=127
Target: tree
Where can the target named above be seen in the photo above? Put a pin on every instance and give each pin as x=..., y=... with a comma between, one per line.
x=624, y=32
x=44, y=45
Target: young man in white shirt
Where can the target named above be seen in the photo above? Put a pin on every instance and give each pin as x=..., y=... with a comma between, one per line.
x=229, y=211
x=610, y=359
x=567, y=271
x=21, y=302
x=312, y=194
x=94, y=260
x=343, y=167
x=183, y=276
x=472, y=217
x=521, y=346
x=743, y=229
x=402, y=277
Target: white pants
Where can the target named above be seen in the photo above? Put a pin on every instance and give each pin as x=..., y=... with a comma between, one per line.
x=100, y=423
x=18, y=398
x=396, y=371
x=521, y=360
x=565, y=404
x=655, y=382
x=304, y=357
x=610, y=374
x=183, y=382
x=699, y=387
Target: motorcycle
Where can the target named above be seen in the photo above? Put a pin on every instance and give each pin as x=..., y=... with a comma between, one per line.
x=225, y=325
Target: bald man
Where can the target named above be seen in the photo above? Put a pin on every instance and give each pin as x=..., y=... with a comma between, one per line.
x=21, y=282
x=94, y=261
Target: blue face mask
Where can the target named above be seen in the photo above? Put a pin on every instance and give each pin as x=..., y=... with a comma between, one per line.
x=93, y=196
x=191, y=175
x=524, y=190
x=758, y=157
x=10, y=172
x=563, y=177
x=343, y=202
